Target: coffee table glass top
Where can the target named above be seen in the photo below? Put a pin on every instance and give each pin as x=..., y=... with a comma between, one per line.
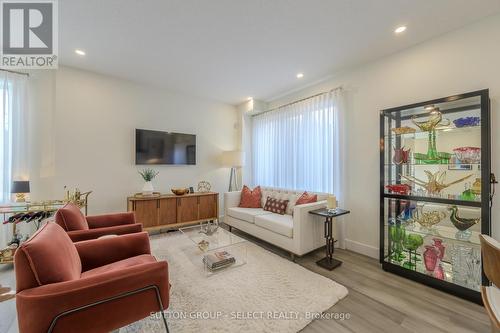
x=219, y=239
x=329, y=212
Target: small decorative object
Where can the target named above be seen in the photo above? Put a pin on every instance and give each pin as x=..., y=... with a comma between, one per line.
x=397, y=234
x=438, y=244
x=468, y=155
x=434, y=119
x=401, y=155
x=191, y=189
x=331, y=203
x=411, y=243
x=435, y=183
x=430, y=219
x=459, y=255
x=148, y=175
x=204, y=186
x=430, y=257
x=439, y=272
x=476, y=187
x=403, y=130
x=179, y=191
x=20, y=188
x=203, y=245
x=403, y=189
x=462, y=224
x=467, y=194
x=467, y=121
x=209, y=228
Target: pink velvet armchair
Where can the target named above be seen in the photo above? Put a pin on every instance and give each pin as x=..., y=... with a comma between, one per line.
x=80, y=227
x=91, y=286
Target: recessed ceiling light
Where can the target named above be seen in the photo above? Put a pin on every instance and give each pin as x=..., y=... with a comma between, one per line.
x=300, y=76
x=80, y=52
x=400, y=29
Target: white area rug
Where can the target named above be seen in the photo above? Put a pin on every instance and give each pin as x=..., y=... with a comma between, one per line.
x=268, y=294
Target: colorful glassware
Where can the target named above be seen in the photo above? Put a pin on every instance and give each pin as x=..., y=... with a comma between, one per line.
x=468, y=155
x=430, y=257
x=467, y=121
x=401, y=155
x=403, y=189
x=438, y=244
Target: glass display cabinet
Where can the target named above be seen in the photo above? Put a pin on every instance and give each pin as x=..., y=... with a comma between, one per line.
x=435, y=191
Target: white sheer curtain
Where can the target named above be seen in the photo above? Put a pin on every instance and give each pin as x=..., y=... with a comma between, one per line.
x=301, y=146
x=13, y=137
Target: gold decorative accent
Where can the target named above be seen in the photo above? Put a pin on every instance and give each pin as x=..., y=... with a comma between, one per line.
x=435, y=183
x=435, y=118
x=403, y=130
x=179, y=191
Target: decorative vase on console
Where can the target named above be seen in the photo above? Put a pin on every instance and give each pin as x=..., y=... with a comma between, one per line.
x=148, y=175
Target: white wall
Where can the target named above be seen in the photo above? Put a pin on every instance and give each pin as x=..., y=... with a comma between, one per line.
x=86, y=132
x=461, y=61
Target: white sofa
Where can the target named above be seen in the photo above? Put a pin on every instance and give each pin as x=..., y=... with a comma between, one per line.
x=297, y=231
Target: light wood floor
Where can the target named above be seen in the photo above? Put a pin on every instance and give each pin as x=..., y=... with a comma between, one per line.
x=379, y=301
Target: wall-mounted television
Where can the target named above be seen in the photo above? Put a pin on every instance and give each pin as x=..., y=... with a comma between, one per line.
x=156, y=147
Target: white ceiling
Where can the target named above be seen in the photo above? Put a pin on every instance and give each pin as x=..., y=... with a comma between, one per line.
x=228, y=50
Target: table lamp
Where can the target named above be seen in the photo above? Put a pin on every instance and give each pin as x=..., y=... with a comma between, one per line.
x=233, y=159
x=20, y=188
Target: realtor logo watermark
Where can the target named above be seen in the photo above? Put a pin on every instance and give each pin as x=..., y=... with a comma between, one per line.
x=28, y=34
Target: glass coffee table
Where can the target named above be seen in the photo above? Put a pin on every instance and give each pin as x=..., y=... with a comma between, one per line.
x=218, y=249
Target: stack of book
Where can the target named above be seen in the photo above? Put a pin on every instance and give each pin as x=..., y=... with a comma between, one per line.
x=218, y=260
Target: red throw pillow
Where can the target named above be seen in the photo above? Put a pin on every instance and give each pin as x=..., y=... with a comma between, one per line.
x=306, y=198
x=276, y=205
x=249, y=198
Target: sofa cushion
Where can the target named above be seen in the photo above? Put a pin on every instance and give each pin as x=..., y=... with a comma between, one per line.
x=52, y=256
x=276, y=205
x=306, y=198
x=250, y=198
x=280, y=224
x=246, y=214
x=129, y=262
x=70, y=218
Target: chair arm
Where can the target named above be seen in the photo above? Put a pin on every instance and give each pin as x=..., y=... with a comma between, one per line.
x=307, y=230
x=42, y=304
x=99, y=252
x=109, y=220
x=82, y=235
x=231, y=199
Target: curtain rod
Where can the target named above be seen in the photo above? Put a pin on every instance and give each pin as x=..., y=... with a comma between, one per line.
x=300, y=100
x=14, y=72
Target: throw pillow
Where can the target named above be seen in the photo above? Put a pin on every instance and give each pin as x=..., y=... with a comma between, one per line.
x=250, y=198
x=306, y=198
x=276, y=205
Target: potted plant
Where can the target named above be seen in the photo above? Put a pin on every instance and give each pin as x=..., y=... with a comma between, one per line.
x=148, y=175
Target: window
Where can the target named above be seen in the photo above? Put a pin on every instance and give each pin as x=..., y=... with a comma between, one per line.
x=298, y=146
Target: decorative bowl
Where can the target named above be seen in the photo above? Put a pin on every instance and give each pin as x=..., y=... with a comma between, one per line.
x=403, y=189
x=179, y=191
x=403, y=130
x=467, y=121
x=468, y=155
x=442, y=158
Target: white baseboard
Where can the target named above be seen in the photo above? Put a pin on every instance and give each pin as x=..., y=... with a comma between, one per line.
x=361, y=248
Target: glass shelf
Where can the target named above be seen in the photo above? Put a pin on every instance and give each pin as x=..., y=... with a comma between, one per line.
x=440, y=231
x=424, y=135
x=458, y=202
x=473, y=283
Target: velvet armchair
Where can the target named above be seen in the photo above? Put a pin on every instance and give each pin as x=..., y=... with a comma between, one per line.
x=80, y=227
x=90, y=286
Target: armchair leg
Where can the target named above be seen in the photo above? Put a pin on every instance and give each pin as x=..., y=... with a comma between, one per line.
x=158, y=298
